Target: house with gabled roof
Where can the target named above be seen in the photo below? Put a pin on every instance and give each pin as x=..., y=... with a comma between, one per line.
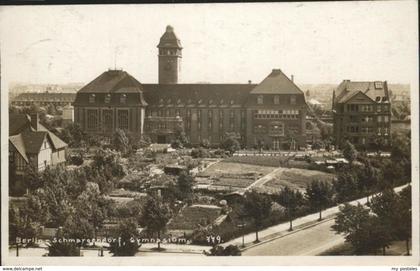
x=362, y=113
x=33, y=145
x=267, y=115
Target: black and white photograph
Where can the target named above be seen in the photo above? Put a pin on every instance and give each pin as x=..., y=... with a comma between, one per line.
x=149, y=132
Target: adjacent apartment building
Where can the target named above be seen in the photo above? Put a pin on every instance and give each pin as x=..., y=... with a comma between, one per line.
x=362, y=113
x=270, y=114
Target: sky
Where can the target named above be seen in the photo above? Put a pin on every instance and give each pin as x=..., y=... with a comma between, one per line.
x=223, y=43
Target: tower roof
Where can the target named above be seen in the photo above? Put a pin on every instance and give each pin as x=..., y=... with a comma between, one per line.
x=169, y=39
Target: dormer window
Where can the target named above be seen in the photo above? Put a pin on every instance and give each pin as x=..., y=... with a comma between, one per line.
x=107, y=98
x=222, y=101
x=210, y=101
x=384, y=99
x=189, y=101
x=161, y=101
x=168, y=101
x=260, y=99
x=178, y=101
x=92, y=98
x=378, y=99
x=293, y=99
x=200, y=101
x=123, y=98
x=232, y=101
x=276, y=99
x=378, y=85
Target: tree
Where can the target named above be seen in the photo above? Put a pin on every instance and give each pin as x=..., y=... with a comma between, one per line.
x=364, y=231
x=120, y=141
x=291, y=200
x=185, y=185
x=319, y=195
x=230, y=143
x=21, y=225
x=155, y=216
x=370, y=180
x=258, y=207
x=349, y=152
x=345, y=186
x=126, y=233
x=403, y=228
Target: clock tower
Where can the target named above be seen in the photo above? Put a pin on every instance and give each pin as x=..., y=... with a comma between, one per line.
x=169, y=57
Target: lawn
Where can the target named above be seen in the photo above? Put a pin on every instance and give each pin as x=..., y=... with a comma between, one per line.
x=295, y=178
x=235, y=169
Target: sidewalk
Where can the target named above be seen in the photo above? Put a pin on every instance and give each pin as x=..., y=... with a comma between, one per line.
x=281, y=230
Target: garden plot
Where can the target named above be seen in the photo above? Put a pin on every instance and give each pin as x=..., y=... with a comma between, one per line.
x=294, y=178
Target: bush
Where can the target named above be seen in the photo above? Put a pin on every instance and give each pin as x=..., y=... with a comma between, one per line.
x=200, y=153
x=230, y=250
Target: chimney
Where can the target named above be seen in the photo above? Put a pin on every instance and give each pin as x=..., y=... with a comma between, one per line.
x=292, y=77
x=249, y=82
x=34, y=121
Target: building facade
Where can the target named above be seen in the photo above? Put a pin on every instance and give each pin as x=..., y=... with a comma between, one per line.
x=31, y=145
x=362, y=113
x=267, y=115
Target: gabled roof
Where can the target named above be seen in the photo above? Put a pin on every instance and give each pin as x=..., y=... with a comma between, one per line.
x=46, y=96
x=55, y=140
x=113, y=81
x=169, y=39
x=17, y=123
x=33, y=140
x=276, y=83
x=18, y=143
x=373, y=89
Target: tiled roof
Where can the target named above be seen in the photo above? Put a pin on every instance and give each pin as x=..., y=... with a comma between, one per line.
x=17, y=123
x=205, y=94
x=18, y=143
x=56, y=141
x=373, y=89
x=276, y=83
x=33, y=140
x=113, y=81
x=169, y=39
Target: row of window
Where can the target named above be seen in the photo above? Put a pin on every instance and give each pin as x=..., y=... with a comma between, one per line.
x=276, y=99
x=277, y=129
x=107, y=99
x=199, y=101
x=276, y=114
x=367, y=108
x=369, y=129
x=93, y=119
x=384, y=118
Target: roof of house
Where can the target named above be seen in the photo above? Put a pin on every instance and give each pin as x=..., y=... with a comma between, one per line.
x=375, y=90
x=26, y=139
x=46, y=96
x=113, y=81
x=17, y=123
x=276, y=83
x=169, y=39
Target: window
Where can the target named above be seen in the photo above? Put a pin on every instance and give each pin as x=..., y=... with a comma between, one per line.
x=260, y=99
x=92, y=119
x=276, y=129
x=123, y=119
x=232, y=101
x=378, y=85
x=91, y=98
x=123, y=98
x=107, y=98
x=293, y=99
x=260, y=129
x=221, y=117
x=378, y=108
x=386, y=119
x=177, y=112
x=210, y=120
x=276, y=99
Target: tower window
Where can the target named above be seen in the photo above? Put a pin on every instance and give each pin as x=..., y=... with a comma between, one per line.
x=107, y=98
x=276, y=99
x=123, y=98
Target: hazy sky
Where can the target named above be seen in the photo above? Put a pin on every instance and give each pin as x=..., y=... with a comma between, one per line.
x=223, y=43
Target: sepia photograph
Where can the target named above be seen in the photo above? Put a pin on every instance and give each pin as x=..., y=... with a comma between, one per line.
x=185, y=131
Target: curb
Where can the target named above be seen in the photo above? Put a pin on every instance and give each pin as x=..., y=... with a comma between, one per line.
x=330, y=217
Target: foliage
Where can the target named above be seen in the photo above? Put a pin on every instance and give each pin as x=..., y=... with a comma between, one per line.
x=120, y=141
x=155, y=216
x=128, y=234
x=185, y=185
x=345, y=186
x=291, y=200
x=257, y=206
x=230, y=143
x=319, y=195
x=230, y=250
x=349, y=152
x=57, y=249
x=200, y=153
x=22, y=223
